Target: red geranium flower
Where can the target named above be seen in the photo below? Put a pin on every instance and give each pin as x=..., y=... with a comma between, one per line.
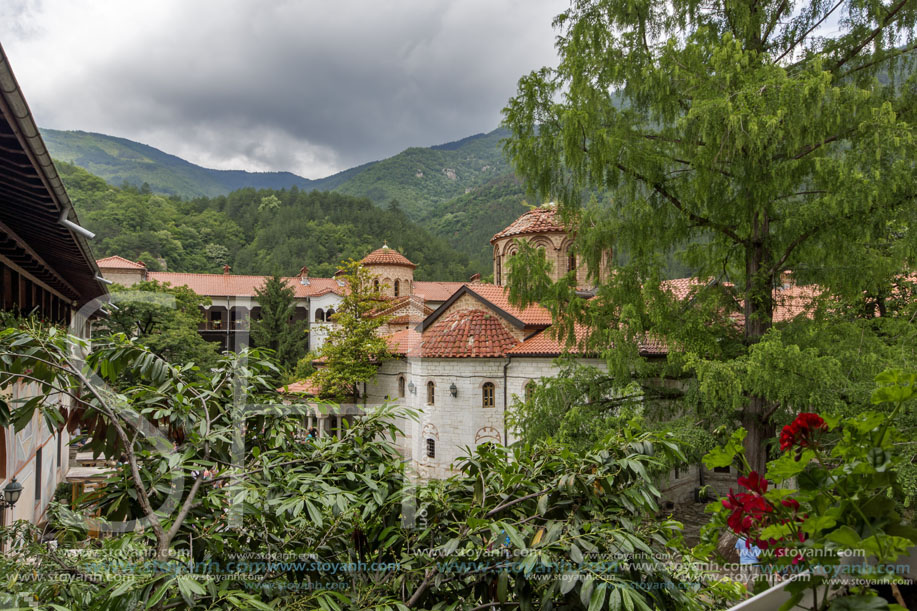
x=754, y=482
x=801, y=431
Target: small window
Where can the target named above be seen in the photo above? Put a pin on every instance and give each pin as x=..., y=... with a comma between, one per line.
x=498, y=276
x=319, y=315
x=529, y=390
x=431, y=448
x=431, y=393
x=487, y=392
x=571, y=262
x=38, y=474
x=376, y=285
x=401, y=386
x=329, y=314
x=397, y=287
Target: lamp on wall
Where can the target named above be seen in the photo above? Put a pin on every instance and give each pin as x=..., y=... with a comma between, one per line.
x=453, y=390
x=411, y=388
x=11, y=494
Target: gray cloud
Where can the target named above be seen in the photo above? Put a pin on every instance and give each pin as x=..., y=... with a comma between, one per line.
x=312, y=87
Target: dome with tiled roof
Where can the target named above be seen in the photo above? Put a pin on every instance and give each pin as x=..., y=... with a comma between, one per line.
x=538, y=220
x=387, y=256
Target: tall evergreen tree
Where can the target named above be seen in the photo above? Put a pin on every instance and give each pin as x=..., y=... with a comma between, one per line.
x=276, y=329
x=751, y=136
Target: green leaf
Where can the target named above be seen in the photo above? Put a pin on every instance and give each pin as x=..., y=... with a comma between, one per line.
x=845, y=537
x=502, y=583
x=597, y=600
x=575, y=554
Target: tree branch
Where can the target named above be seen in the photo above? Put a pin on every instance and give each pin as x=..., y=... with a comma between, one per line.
x=888, y=19
x=698, y=220
x=809, y=31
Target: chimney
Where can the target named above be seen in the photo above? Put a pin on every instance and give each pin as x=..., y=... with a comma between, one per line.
x=226, y=269
x=475, y=278
x=304, y=276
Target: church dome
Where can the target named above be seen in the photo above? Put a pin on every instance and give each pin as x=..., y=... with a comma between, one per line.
x=387, y=256
x=538, y=220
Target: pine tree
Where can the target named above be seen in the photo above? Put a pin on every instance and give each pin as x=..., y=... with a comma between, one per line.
x=276, y=329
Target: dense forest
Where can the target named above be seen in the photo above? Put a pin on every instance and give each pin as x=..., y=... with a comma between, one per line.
x=261, y=231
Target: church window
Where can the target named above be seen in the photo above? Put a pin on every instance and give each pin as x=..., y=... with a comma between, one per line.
x=397, y=287
x=431, y=448
x=431, y=393
x=400, y=386
x=319, y=315
x=487, y=392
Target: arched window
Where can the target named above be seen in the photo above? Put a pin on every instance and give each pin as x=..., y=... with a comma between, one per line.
x=487, y=394
x=329, y=314
x=431, y=448
x=431, y=393
x=529, y=389
x=400, y=386
x=376, y=285
x=571, y=261
x=397, y=287
x=498, y=275
x=319, y=315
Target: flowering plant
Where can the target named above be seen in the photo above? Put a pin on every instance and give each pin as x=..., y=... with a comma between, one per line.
x=827, y=498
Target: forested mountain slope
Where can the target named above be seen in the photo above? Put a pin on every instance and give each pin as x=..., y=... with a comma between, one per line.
x=254, y=231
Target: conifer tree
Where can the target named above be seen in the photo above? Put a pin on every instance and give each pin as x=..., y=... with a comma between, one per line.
x=276, y=329
x=753, y=137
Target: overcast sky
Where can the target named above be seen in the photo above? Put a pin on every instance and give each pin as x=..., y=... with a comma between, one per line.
x=309, y=86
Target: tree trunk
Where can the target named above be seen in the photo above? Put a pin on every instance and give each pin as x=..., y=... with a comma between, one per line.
x=759, y=316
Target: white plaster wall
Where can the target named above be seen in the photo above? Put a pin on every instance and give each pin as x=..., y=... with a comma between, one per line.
x=460, y=422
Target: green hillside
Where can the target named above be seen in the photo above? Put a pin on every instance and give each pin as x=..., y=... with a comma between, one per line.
x=468, y=221
x=259, y=231
x=119, y=161
x=419, y=178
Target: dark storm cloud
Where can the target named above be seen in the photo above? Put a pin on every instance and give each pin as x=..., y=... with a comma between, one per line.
x=311, y=87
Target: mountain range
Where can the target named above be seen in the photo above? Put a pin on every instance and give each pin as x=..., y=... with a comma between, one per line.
x=462, y=191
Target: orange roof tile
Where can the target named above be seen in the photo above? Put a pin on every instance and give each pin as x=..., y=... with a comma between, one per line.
x=467, y=334
x=543, y=344
x=436, y=291
x=116, y=262
x=304, y=387
x=232, y=285
x=539, y=220
x=405, y=342
x=386, y=256
x=531, y=316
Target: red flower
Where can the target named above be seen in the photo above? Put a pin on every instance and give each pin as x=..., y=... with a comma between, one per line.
x=801, y=431
x=748, y=509
x=754, y=482
x=791, y=503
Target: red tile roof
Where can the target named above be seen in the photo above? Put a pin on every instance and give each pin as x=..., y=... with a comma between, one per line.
x=467, y=334
x=387, y=256
x=116, y=262
x=436, y=291
x=232, y=285
x=405, y=342
x=544, y=344
x=539, y=220
x=304, y=387
x=531, y=316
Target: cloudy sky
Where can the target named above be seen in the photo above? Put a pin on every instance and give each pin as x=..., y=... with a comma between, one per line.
x=309, y=86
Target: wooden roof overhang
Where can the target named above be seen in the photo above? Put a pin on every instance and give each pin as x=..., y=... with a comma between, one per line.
x=32, y=202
